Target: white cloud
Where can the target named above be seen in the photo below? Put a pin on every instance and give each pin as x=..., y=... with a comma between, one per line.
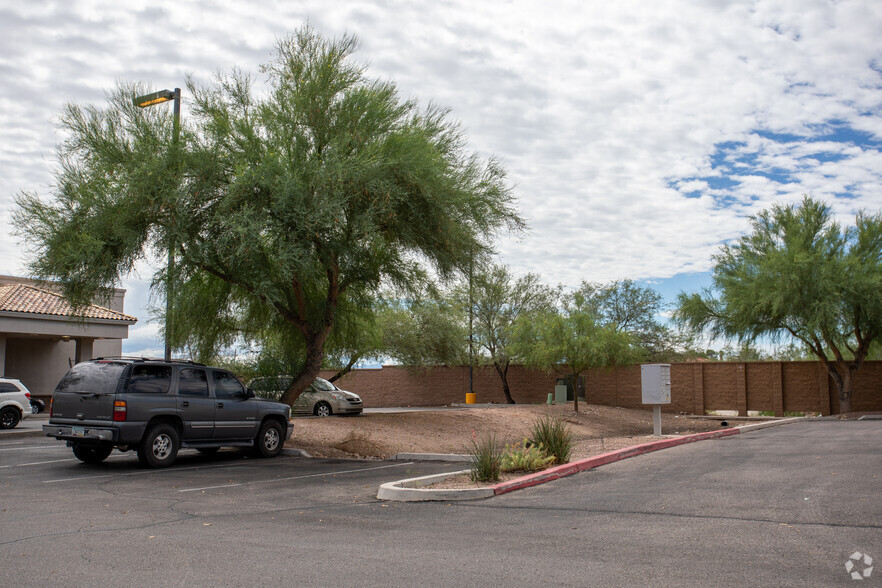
x=610, y=117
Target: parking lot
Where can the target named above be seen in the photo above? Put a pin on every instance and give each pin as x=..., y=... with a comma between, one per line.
x=784, y=506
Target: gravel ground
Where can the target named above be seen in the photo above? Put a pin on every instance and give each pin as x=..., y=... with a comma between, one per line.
x=596, y=429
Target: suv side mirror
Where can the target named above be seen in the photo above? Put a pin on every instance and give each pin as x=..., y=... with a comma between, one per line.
x=249, y=393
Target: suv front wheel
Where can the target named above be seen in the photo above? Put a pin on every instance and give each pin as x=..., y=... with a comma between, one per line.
x=269, y=440
x=159, y=447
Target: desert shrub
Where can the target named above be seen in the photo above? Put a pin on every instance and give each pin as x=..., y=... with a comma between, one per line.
x=554, y=436
x=521, y=457
x=484, y=458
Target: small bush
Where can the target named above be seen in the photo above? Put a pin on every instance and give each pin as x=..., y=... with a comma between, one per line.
x=554, y=436
x=485, y=458
x=516, y=457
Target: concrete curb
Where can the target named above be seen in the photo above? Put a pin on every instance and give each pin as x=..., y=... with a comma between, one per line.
x=409, y=490
x=296, y=453
x=568, y=469
x=24, y=431
x=756, y=426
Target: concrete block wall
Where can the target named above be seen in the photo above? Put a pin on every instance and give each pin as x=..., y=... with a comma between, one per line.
x=696, y=388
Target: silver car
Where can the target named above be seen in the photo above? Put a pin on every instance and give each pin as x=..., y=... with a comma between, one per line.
x=321, y=398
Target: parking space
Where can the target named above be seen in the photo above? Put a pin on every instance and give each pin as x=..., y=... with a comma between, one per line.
x=35, y=464
x=787, y=506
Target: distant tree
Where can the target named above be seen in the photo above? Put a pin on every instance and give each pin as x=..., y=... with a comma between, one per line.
x=277, y=209
x=423, y=331
x=624, y=305
x=799, y=275
x=793, y=351
x=629, y=307
x=743, y=352
x=573, y=339
x=498, y=301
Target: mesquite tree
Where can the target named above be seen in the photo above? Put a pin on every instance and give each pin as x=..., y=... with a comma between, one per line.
x=281, y=208
x=799, y=275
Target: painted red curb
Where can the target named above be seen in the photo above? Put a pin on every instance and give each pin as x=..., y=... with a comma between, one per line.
x=575, y=467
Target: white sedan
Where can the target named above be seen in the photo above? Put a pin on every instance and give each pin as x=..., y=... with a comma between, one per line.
x=15, y=403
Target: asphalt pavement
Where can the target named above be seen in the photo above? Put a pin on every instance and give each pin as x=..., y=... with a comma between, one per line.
x=786, y=506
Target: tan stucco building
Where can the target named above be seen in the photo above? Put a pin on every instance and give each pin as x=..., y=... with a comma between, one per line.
x=40, y=338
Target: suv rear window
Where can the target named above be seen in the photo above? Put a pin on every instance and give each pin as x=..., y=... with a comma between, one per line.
x=150, y=379
x=91, y=377
x=193, y=382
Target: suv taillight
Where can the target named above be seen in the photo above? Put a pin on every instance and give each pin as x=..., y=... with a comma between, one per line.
x=119, y=410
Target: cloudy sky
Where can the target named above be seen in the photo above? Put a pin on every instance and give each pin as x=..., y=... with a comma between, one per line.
x=638, y=135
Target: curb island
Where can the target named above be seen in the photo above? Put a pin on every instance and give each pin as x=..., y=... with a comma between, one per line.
x=413, y=490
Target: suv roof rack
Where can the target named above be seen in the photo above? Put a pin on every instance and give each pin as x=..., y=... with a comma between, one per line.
x=138, y=358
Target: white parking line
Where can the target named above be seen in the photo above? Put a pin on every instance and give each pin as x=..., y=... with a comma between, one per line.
x=210, y=487
x=29, y=448
x=395, y=465
x=33, y=463
x=139, y=473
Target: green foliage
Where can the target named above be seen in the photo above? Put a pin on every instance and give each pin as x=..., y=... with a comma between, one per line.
x=485, y=459
x=284, y=212
x=635, y=309
x=554, y=436
x=423, y=330
x=744, y=351
x=624, y=305
x=799, y=276
x=498, y=300
x=523, y=456
x=572, y=340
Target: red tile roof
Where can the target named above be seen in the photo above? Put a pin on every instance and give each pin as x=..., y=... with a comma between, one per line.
x=28, y=299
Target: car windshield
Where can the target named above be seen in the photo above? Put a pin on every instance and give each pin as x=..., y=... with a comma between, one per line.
x=325, y=385
x=92, y=378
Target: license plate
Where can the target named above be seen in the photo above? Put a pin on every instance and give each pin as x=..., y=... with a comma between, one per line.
x=78, y=431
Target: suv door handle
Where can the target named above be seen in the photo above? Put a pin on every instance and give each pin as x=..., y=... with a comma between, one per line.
x=220, y=404
x=185, y=403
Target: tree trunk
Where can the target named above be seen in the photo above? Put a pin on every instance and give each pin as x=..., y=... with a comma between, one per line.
x=575, y=392
x=842, y=373
x=503, y=375
x=845, y=391
x=315, y=352
x=348, y=368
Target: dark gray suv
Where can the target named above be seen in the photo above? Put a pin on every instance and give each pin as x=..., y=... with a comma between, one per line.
x=157, y=407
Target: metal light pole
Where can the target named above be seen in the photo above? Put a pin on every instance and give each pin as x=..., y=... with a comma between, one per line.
x=470, y=397
x=144, y=102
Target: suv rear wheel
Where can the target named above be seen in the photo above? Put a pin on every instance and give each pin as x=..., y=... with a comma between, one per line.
x=269, y=439
x=159, y=447
x=91, y=454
